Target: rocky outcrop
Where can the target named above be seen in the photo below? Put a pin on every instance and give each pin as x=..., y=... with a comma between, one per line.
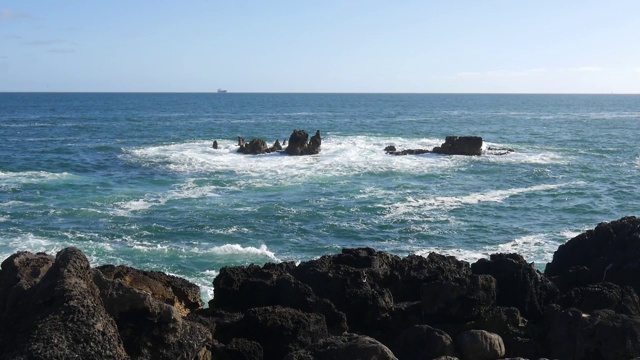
x=453, y=145
x=298, y=144
x=358, y=304
x=608, y=253
x=460, y=145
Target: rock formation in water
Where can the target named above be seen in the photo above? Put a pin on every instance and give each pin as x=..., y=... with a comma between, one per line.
x=359, y=304
x=298, y=144
x=453, y=145
x=460, y=145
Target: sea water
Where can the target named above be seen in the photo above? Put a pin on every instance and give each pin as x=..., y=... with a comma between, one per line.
x=133, y=179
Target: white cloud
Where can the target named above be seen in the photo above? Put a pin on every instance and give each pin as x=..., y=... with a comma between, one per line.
x=637, y=69
x=10, y=15
x=586, y=69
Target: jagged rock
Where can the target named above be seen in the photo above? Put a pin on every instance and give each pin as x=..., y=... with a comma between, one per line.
x=480, y=345
x=254, y=147
x=19, y=272
x=390, y=149
x=348, y=346
x=243, y=288
x=409, y=152
x=423, y=342
x=605, y=334
x=177, y=292
x=148, y=308
x=459, y=300
x=610, y=252
x=282, y=330
x=460, y=145
x=621, y=299
x=353, y=281
x=237, y=349
x=57, y=312
x=519, y=284
x=408, y=274
x=517, y=333
x=276, y=146
x=298, y=143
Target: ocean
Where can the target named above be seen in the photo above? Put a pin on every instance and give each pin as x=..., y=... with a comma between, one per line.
x=132, y=179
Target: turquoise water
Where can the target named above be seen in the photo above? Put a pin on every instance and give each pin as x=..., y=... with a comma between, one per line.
x=132, y=178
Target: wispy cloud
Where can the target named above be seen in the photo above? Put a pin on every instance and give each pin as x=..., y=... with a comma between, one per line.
x=11, y=15
x=44, y=42
x=637, y=69
x=586, y=69
x=62, y=51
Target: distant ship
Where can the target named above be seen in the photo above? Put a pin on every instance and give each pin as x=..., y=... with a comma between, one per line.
x=221, y=91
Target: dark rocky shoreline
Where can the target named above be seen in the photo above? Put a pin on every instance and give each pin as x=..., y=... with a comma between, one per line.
x=359, y=304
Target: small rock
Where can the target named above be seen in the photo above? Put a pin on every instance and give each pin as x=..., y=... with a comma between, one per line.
x=480, y=345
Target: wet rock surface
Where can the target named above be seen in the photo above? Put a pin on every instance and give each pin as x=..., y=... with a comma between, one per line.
x=359, y=304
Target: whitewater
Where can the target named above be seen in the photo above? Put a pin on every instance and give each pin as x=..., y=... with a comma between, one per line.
x=132, y=178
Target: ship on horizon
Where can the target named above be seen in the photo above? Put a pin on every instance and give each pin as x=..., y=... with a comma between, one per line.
x=222, y=91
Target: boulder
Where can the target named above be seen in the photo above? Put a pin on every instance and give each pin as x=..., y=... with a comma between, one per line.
x=348, y=346
x=423, y=342
x=518, y=335
x=458, y=300
x=480, y=345
x=610, y=252
x=172, y=290
x=298, y=144
x=254, y=147
x=519, y=284
x=621, y=299
x=149, y=309
x=55, y=310
x=460, y=145
x=215, y=144
x=243, y=288
x=390, y=149
x=354, y=282
x=282, y=330
x=605, y=334
x=237, y=349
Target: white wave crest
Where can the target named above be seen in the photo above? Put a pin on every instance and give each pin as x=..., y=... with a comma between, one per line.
x=187, y=190
x=536, y=248
x=451, y=202
x=236, y=249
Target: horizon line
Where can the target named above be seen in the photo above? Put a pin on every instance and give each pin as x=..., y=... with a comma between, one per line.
x=315, y=93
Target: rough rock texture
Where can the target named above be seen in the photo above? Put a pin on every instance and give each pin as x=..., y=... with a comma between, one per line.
x=409, y=152
x=480, y=345
x=519, y=284
x=348, y=346
x=56, y=311
x=610, y=252
x=423, y=342
x=604, y=334
x=298, y=144
x=243, y=288
x=460, y=145
x=61, y=308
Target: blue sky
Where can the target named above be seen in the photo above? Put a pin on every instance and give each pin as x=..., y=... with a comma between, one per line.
x=321, y=46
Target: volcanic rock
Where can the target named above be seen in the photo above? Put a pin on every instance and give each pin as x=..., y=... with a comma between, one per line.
x=460, y=145
x=298, y=144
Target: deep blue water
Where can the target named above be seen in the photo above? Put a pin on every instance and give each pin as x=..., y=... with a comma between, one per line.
x=132, y=178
